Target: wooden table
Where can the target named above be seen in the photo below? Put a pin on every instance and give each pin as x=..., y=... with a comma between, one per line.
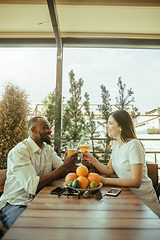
x=123, y=217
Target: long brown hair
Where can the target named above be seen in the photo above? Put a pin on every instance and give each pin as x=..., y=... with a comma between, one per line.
x=124, y=120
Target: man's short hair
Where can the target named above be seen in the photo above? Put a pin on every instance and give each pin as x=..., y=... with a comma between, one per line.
x=32, y=121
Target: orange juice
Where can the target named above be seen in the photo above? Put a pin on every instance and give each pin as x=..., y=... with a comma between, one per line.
x=71, y=151
x=84, y=148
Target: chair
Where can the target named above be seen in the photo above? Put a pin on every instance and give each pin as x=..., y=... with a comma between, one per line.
x=2, y=179
x=3, y=228
x=153, y=173
x=158, y=191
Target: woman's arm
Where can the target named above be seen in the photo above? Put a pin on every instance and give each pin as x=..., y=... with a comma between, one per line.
x=134, y=181
x=107, y=170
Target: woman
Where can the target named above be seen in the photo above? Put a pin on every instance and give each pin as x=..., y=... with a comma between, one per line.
x=127, y=161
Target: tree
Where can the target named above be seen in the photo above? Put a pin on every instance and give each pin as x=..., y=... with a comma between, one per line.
x=51, y=106
x=50, y=111
x=14, y=110
x=73, y=119
x=105, y=109
x=135, y=113
x=90, y=124
x=123, y=101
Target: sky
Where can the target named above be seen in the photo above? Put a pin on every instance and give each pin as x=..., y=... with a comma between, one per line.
x=34, y=69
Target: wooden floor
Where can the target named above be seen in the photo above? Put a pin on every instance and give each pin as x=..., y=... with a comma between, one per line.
x=123, y=217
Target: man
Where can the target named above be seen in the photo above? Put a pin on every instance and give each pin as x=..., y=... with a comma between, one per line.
x=31, y=165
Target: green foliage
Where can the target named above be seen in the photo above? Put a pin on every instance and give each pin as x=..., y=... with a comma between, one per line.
x=75, y=123
x=73, y=119
x=90, y=124
x=123, y=101
x=135, y=113
x=107, y=147
x=105, y=110
x=14, y=109
x=50, y=110
x=51, y=106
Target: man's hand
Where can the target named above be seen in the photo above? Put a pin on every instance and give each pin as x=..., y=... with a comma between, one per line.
x=70, y=161
x=67, y=166
x=65, y=156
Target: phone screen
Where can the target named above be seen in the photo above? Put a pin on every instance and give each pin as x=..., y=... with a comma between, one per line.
x=113, y=192
x=57, y=191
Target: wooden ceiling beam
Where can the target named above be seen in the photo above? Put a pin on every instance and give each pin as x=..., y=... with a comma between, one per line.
x=82, y=42
x=27, y=42
x=112, y=43
x=55, y=25
x=144, y=3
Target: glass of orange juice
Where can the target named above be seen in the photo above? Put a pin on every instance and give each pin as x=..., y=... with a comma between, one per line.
x=72, y=148
x=84, y=145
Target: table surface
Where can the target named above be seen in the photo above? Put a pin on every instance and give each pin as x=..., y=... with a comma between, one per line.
x=123, y=217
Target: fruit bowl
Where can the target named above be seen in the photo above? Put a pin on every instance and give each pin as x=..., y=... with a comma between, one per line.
x=86, y=189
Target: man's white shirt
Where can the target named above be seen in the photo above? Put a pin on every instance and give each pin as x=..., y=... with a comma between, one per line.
x=25, y=163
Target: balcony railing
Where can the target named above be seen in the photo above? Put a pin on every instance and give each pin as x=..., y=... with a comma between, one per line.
x=153, y=152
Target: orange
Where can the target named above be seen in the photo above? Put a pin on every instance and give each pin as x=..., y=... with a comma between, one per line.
x=82, y=171
x=70, y=177
x=83, y=182
x=94, y=177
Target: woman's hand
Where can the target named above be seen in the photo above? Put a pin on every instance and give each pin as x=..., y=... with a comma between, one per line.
x=107, y=170
x=87, y=156
x=104, y=180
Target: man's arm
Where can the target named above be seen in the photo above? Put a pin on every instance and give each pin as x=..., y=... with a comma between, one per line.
x=67, y=166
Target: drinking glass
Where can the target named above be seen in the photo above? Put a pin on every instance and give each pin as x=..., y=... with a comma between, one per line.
x=84, y=144
x=72, y=148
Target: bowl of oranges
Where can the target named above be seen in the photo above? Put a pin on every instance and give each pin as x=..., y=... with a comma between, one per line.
x=83, y=180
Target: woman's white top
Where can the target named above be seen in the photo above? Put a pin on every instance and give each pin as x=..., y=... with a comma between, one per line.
x=132, y=152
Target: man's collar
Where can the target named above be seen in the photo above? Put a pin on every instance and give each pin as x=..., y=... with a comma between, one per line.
x=34, y=146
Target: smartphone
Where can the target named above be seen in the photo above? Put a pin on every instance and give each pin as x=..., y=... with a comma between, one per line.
x=113, y=192
x=57, y=191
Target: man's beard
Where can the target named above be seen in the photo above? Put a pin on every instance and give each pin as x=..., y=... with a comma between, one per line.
x=46, y=140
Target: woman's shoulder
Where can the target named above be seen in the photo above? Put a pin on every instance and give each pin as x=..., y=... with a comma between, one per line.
x=135, y=143
x=115, y=144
